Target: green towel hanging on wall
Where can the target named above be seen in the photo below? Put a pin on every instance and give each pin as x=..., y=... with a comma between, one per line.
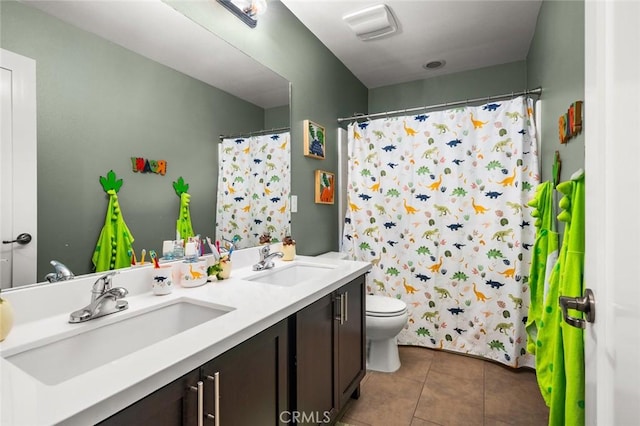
x=184, y=229
x=559, y=346
x=568, y=387
x=545, y=255
x=115, y=241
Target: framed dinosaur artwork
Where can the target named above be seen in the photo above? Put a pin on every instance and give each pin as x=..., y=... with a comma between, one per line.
x=315, y=143
x=325, y=187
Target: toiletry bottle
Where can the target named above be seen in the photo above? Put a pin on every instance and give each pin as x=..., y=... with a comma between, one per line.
x=190, y=252
x=168, y=247
x=178, y=249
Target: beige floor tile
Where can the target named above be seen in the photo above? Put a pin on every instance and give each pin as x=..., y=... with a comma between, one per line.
x=488, y=421
x=350, y=422
x=415, y=362
x=458, y=365
x=451, y=400
x=513, y=396
x=366, y=377
x=419, y=422
x=436, y=388
x=386, y=399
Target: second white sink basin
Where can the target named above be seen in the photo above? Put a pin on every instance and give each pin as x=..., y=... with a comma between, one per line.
x=56, y=362
x=291, y=275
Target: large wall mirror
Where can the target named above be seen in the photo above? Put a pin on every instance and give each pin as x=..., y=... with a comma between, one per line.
x=117, y=80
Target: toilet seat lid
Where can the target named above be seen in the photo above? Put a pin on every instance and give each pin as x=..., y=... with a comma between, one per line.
x=384, y=306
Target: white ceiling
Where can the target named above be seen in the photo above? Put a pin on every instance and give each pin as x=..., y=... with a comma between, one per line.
x=465, y=34
x=155, y=30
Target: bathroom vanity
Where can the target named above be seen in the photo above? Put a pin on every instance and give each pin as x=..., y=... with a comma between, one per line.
x=253, y=349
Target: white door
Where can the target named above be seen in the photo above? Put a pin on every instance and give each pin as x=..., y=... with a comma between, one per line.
x=18, y=179
x=612, y=163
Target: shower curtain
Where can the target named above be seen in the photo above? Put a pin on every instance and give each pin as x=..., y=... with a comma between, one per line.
x=253, y=188
x=437, y=202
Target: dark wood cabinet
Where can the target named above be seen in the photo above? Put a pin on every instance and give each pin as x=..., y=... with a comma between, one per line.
x=252, y=389
x=301, y=370
x=172, y=405
x=351, y=338
x=253, y=381
x=314, y=358
x=329, y=356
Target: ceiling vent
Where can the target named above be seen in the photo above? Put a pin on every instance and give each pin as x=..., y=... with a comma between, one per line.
x=372, y=22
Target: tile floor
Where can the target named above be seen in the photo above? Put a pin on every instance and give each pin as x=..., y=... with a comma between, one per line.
x=440, y=388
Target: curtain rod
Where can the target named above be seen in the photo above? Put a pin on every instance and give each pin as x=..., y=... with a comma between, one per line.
x=536, y=91
x=258, y=133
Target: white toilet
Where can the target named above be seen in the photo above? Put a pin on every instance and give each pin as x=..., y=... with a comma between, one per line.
x=385, y=318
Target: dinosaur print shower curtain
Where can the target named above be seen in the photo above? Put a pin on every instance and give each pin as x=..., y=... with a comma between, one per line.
x=438, y=203
x=253, y=188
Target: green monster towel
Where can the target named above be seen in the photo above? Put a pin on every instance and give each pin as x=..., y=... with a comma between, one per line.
x=560, y=347
x=545, y=255
x=567, y=402
x=115, y=241
x=183, y=224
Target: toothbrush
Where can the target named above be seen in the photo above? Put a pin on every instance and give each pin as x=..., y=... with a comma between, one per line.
x=212, y=248
x=142, y=255
x=132, y=255
x=154, y=257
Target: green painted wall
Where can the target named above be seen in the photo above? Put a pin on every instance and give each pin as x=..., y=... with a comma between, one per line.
x=556, y=63
x=483, y=82
x=323, y=89
x=100, y=104
x=277, y=117
x=85, y=139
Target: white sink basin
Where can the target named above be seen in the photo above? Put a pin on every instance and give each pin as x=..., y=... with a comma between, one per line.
x=69, y=357
x=291, y=275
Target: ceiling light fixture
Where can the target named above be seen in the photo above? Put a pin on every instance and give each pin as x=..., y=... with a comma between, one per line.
x=246, y=10
x=434, y=65
x=372, y=23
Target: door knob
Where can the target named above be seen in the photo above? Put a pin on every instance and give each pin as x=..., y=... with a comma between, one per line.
x=586, y=304
x=21, y=239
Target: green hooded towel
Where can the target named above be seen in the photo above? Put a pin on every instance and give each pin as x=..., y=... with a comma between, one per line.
x=115, y=241
x=560, y=347
x=545, y=255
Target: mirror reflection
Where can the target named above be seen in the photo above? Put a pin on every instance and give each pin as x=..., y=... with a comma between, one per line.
x=253, y=188
x=122, y=80
x=246, y=10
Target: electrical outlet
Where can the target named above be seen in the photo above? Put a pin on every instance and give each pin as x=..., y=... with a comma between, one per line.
x=294, y=204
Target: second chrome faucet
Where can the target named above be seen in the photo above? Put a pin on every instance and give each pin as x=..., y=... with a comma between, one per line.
x=266, y=258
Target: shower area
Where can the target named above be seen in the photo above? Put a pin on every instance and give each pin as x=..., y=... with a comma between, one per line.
x=437, y=201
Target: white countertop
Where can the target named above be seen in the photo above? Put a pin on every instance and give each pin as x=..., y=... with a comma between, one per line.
x=99, y=393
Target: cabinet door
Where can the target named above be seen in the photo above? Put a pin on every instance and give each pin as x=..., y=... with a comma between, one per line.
x=350, y=335
x=252, y=381
x=315, y=360
x=175, y=404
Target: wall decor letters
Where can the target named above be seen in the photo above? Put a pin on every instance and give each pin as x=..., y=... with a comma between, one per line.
x=143, y=165
x=570, y=124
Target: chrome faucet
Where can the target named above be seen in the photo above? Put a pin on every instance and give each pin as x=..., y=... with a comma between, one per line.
x=105, y=300
x=62, y=273
x=266, y=258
